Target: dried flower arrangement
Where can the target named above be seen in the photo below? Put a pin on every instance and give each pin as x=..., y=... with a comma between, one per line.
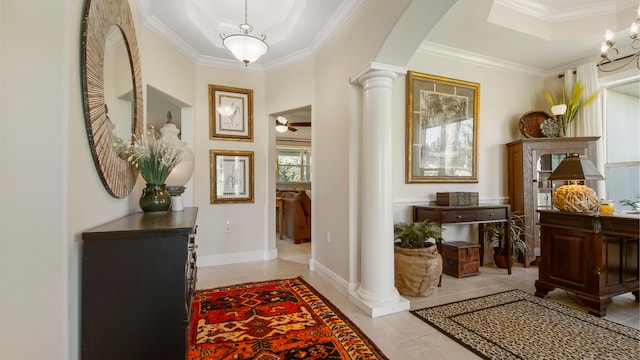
x=574, y=102
x=155, y=156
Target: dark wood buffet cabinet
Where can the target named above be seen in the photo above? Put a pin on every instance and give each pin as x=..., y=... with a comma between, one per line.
x=530, y=162
x=595, y=256
x=138, y=278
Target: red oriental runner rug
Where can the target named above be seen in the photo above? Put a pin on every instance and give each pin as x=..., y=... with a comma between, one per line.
x=278, y=319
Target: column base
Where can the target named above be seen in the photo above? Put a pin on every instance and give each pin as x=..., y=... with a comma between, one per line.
x=375, y=309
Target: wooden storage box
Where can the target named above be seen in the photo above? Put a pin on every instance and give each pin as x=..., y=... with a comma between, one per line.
x=460, y=258
x=457, y=198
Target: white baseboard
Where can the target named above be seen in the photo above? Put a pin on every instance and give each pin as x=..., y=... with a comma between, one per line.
x=225, y=259
x=334, y=279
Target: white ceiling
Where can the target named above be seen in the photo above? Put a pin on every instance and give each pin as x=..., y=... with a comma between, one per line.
x=544, y=36
x=295, y=29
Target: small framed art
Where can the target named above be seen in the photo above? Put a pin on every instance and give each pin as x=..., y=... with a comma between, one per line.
x=230, y=113
x=231, y=176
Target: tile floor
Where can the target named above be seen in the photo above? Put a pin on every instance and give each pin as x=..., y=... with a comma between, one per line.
x=402, y=335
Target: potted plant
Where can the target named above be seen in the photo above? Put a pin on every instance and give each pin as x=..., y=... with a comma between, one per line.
x=634, y=205
x=418, y=264
x=155, y=156
x=494, y=237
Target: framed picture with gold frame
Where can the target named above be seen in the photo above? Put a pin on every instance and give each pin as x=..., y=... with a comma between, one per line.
x=230, y=113
x=231, y=175
x=441, y=129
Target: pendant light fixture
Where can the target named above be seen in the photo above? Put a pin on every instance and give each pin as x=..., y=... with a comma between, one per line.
x=281, y=124
x=243, y=46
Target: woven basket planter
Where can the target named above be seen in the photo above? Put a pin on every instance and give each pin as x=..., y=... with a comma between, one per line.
x=417, y=271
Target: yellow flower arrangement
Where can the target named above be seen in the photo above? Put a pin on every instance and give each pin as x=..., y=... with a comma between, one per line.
x=574, y=102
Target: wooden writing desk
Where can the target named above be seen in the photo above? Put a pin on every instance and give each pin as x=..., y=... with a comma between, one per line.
x=477, y=214
x=595, y=256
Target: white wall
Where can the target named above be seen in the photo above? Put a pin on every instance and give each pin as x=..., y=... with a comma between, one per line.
x=249, y=238
x=334, y=197
x=35, y=116
x=52, y=191
x=504, y=96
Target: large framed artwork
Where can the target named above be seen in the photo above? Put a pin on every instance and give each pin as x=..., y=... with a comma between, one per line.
x=231, y=176
x=230, y=113
x=441, y=129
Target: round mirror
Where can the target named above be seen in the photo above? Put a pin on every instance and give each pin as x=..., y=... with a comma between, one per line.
x=112, y=90
x=119, y=99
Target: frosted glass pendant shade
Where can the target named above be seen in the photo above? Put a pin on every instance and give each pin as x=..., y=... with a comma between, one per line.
x=245, y=48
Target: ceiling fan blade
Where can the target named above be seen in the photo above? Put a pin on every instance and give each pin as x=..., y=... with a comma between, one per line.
x=292, y=129
x=300, y=124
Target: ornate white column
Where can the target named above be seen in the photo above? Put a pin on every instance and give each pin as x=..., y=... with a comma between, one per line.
x=377, y=294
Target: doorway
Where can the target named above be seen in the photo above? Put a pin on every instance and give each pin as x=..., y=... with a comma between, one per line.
x=293, y=180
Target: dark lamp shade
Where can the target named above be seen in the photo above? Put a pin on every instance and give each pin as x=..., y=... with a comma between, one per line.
x=575, y=167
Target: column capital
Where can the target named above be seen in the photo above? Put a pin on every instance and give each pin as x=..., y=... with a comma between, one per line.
x=378, y=70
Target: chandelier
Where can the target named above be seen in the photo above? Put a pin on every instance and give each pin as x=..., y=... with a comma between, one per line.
x=243, y=46
x=607, y=64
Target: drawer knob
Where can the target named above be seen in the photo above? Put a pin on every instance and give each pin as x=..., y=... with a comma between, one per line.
x=492, y=214
x=459, y=217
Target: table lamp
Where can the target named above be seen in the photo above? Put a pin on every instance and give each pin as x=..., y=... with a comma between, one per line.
x=575, y=197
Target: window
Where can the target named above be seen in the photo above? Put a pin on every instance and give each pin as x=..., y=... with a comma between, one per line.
x=294, y=164
x=622, y=146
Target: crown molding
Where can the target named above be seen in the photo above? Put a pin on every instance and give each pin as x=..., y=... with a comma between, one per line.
x=553, y=14
x=477, y=59
x=335, y=23
x=159, y=28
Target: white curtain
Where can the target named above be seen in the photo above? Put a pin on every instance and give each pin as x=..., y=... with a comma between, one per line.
x=588, y=121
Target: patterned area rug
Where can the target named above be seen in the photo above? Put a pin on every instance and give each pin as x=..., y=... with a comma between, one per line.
x=517, y=325
x=278, y=319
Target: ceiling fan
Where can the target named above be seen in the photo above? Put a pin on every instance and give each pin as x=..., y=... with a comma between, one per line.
x=283, y=124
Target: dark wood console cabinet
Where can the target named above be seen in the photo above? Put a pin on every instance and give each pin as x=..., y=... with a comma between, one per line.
x=468, y=214
x=594, y=256
x=138, y=277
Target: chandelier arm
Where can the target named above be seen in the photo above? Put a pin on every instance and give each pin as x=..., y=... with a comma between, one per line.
x=608, y=47
x=629, y=58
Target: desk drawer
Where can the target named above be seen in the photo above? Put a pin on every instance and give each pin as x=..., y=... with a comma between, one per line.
x=491, y=214
x=456, y=216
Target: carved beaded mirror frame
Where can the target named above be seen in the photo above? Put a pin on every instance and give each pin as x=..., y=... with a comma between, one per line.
x=104, y=19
